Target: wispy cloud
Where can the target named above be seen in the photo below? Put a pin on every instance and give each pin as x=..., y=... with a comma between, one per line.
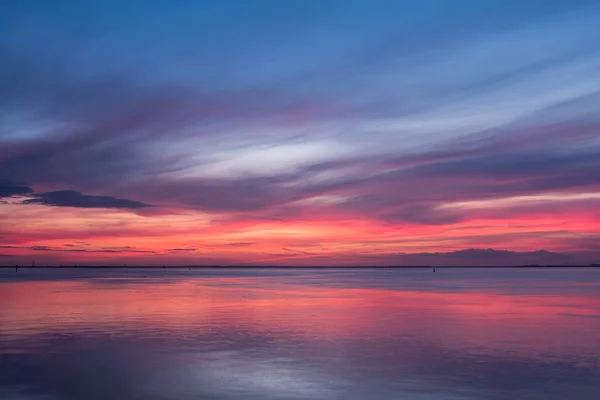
x=326, y=126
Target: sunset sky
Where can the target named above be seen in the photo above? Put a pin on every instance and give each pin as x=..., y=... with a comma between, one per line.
x=313, y=132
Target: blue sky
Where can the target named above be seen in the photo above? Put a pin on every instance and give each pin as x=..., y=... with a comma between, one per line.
x=253, y=106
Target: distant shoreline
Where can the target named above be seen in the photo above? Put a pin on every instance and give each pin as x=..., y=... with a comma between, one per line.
x=290, y=267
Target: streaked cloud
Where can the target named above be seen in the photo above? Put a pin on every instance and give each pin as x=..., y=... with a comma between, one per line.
x=307, y=130
x=522, y=200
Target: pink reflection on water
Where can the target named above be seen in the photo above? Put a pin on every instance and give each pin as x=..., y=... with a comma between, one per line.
x=482, y=322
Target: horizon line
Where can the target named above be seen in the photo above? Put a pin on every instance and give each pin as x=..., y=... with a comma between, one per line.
x=593, y=265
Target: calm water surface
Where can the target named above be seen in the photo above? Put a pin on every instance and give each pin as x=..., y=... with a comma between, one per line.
x=288, y=334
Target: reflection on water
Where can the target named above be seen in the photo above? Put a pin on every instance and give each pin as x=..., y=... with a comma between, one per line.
x=289, y=334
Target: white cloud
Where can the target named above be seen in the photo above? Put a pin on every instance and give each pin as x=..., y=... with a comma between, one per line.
x=521, y=200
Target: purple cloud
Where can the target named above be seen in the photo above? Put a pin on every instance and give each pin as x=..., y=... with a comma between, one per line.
x=70, y=198
x=10, y=189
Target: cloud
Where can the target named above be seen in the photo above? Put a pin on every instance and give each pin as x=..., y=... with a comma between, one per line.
x=384, y=125
x=182, y=250
x=239, y=244
x=9, y=189
x=589, y=242
x=423, y=214
x=120, y=138
x=216, y=195
x=71, y=198
x=121, y=251
x=42, y=248
x=70, y=249
x=411, y=187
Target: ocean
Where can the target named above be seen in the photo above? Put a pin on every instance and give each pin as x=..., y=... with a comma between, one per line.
x=120, y=334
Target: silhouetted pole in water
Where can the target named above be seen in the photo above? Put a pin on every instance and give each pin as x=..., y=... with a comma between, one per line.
x=16, y=268
x=434, y=270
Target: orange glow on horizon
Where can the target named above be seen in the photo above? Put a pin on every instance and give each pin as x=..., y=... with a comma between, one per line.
x=65, y=235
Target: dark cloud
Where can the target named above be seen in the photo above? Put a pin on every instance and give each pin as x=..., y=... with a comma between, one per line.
x=585, y=243
x=41, y=248
x=71, y=198
x=178, y=250
x=538, y=166
x=123, y=249
x=227, y=245
x=9, y=189
x=71, y=249
x=117, y=250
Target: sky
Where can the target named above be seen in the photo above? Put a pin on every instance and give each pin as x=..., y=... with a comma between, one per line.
x=256, y=132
